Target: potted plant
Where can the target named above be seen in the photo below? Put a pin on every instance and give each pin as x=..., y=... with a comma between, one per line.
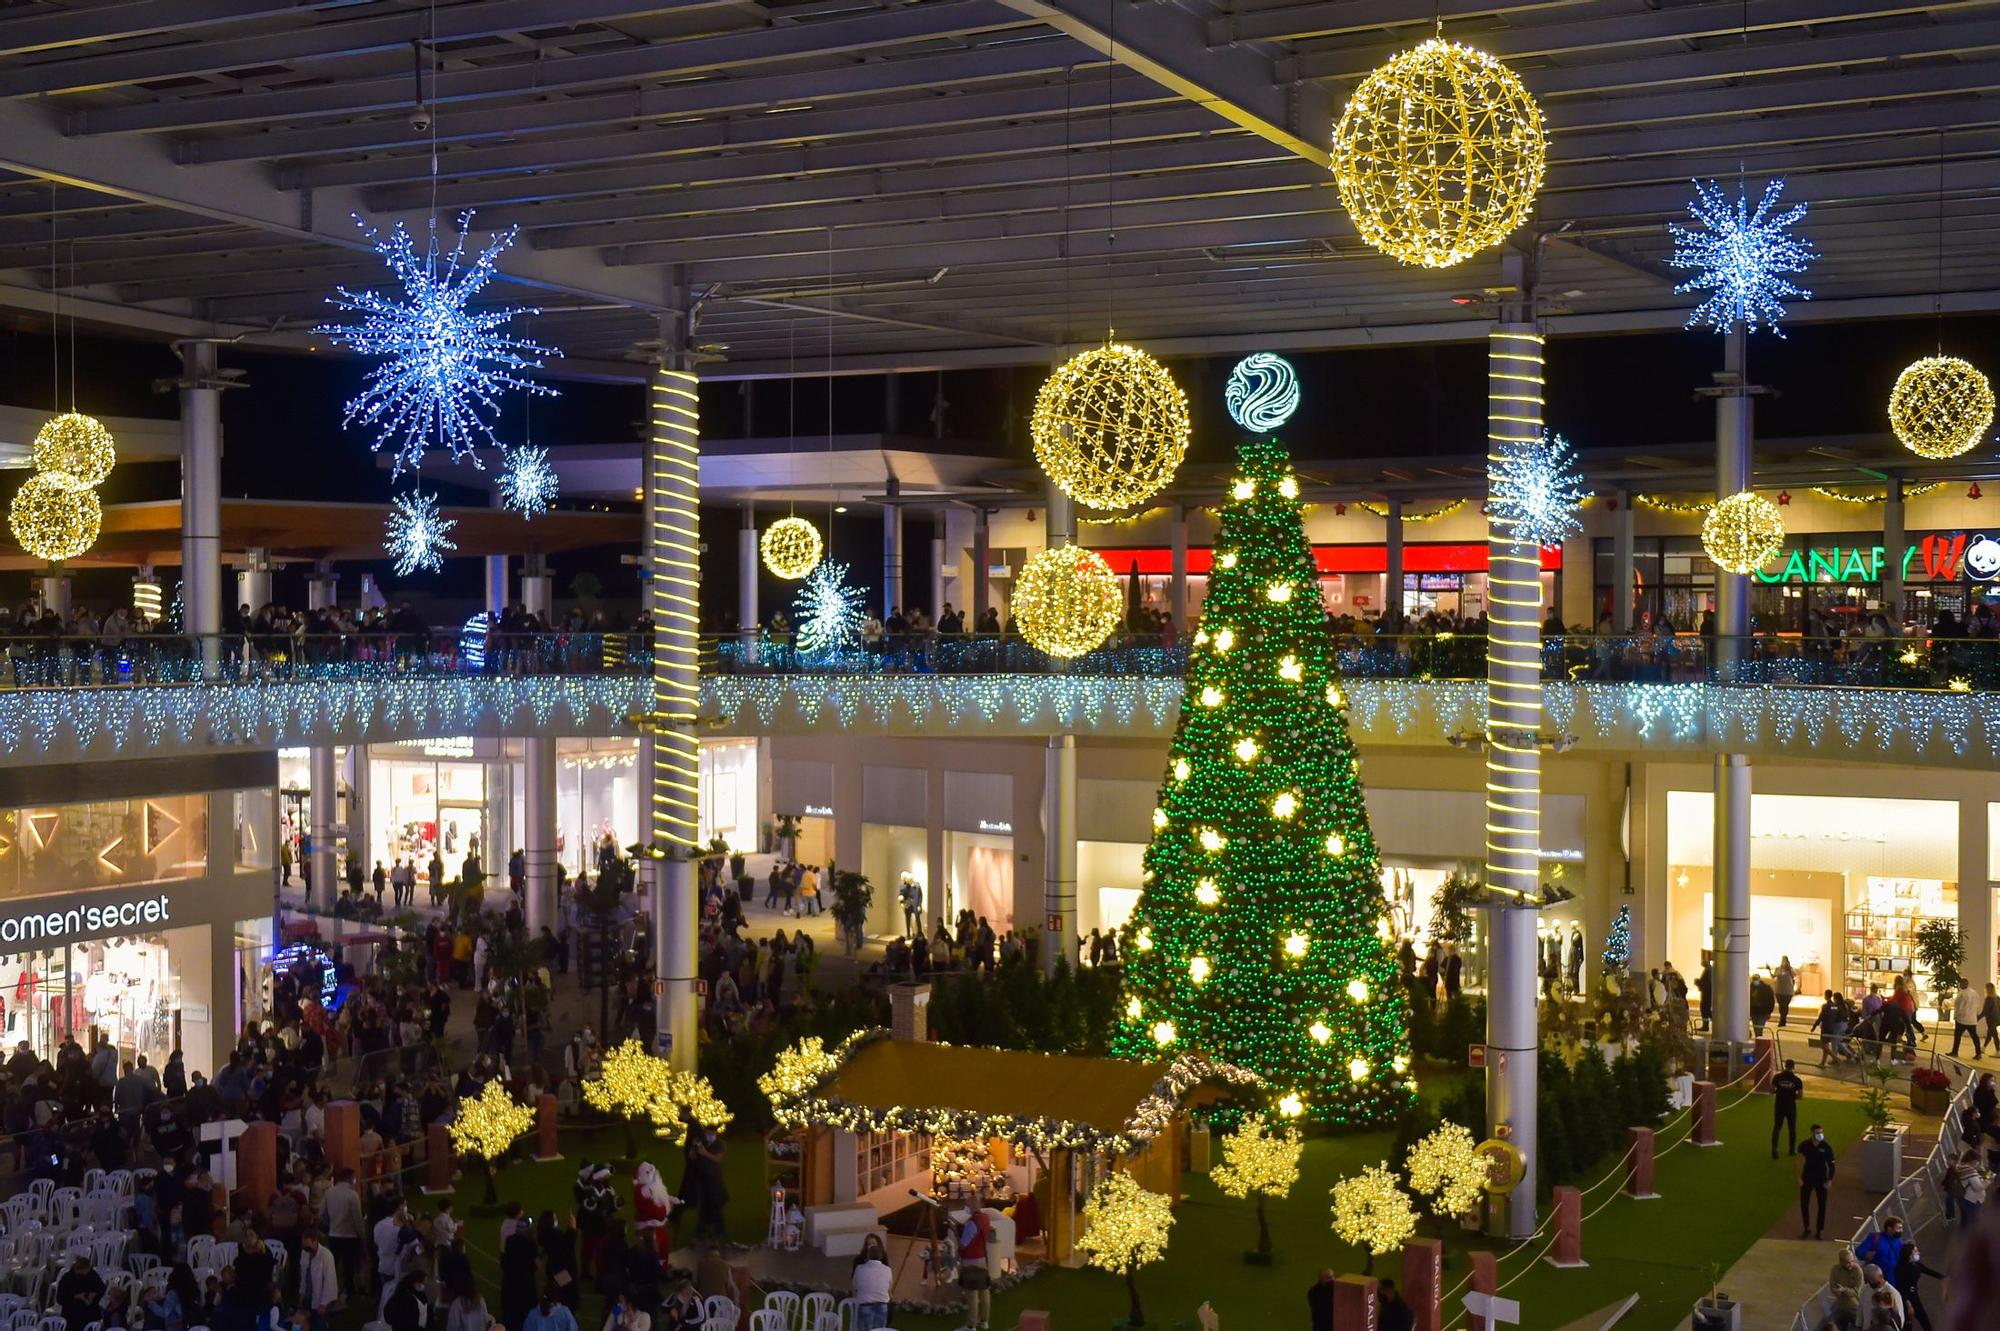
x=1930, y=1090
x=1882, y=1143
x=1716, y=1311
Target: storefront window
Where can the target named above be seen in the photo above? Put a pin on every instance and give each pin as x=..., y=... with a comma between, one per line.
x=426, y=805
x=67, y=847
x=729, y=793
x=597, y=801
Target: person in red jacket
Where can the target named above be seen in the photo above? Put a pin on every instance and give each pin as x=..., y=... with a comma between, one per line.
x=974, y=1280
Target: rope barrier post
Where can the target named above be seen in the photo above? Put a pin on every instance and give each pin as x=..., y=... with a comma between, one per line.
x=546, y=1147
x=1354, y=1305
x=1485, y=1280
x=1704, y=1114
x=1423, y=1281
x=1567, y=1205
x=440, y=1163
x=257, y=1165
x=343, y=1137
x=1639, y=1172
x=1763, y=1064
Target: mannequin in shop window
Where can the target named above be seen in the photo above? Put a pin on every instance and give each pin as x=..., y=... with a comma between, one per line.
x=1576, y=959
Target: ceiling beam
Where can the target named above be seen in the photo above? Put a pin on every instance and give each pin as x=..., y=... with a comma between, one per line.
x=49, y=29
x=1169, y=45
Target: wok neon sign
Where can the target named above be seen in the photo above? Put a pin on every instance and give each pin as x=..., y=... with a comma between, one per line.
x=1937, y=558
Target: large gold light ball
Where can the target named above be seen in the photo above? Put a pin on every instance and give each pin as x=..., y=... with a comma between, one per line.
x=76, y=445
x=1110, y=427
x=1742, y=532
x=1940, y=407
x=1067, y=601
x=54, y=517
x=1439, y=154
x=792, y=548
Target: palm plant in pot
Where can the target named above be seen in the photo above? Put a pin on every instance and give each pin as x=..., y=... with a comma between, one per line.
x=1882, y=1143
x=1716, y=1311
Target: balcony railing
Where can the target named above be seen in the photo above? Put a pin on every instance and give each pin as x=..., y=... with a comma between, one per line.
x=1954, y=665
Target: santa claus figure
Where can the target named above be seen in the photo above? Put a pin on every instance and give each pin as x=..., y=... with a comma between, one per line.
x=652, y=1204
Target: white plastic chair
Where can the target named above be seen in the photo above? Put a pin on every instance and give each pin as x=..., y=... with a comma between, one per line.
x=814, y=1306
x=93, y=1179
x=53, y=1322
x=108, y=1250
x=121, y=1181
x=719, y=1324
x=201, y=1250
x=225, y=1254
x=786, y=1304
x=39, y=1189
x=277, y=1251
x=722, y=1306
x=767, y=1319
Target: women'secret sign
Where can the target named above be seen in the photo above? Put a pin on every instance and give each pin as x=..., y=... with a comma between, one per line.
x=59, y=926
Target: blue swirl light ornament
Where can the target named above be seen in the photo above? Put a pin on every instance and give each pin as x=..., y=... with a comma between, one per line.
x=1263, y=391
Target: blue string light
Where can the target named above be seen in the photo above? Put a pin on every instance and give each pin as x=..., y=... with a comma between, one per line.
x=527, y=481
x=444, y=365
x=418, y=535
x=1536, y=488
x=1740, y=257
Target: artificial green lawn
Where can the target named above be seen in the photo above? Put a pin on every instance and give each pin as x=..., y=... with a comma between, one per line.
x=1715, y=1204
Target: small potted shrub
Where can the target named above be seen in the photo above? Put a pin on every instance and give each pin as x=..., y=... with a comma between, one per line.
x=1716, y=1311
x=1882, y=1143
x=1930, y=1090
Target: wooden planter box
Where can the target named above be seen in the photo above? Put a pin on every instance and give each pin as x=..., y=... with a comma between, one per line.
x=1930, y=1099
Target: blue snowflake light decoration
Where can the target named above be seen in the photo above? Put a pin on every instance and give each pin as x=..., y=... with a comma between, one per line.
x=527, y=481
x=828, y=613
x=1741, y=257
x=1535, y=487
x=418, y=535
x=444, y=365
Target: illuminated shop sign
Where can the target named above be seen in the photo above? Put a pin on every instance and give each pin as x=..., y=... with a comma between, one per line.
x=51, y=927
x=994, y=825
x=1938, y=558
x=819, y=811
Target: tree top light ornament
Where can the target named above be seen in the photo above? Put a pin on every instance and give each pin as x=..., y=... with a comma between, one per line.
x=1439, y=154
x=1538, y=487
x=1741, y=256
x=1067, y=601
x=1110, y=427
x=1941, y=407
x=418, y=536
x=792, y=548
x=1263, y=392
x=444, y=365
x=1742, y=531
x=528, y=484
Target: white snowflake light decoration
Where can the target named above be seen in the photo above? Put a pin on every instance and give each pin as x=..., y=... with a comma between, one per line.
x=828, y=613
x=1740, y=257
x=527, y=481
x=1535, y=487
x=444, y=365
x=418, y=535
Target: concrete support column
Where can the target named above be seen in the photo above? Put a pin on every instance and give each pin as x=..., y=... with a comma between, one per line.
x=359, y=789
x=673, y=589
x=1513, y=762
x=496, y=585
x=323, y=587
x=892, y=553
x=1624, y=577
x=936, y=570
x=1059, y=524
x=982, y=559
x=538, y=838
x=1392, y=566
x=1895, y=540
x=646, y=868
x=55, y=588
x=538, y=590
x=1058, y=851
x=1177, y=589
x=321, y=818
x=201, y=495
x=748, y=559
x=1975, y=892
x=253, y=580
x=1729, y=931
x=1732, y=475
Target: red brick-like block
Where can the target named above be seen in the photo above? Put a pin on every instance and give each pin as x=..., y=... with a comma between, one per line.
x=343, y=1137
x=1423, y=1282
x=1704, y=1114
x=439, y=1159
x=1034, y=1319
x=1763, y=1066
x=257, y=1165
x=545, y=1129
x=1485, y=1279
x=1639, y=1163
x=1355, y=1307
x=1566, y=1213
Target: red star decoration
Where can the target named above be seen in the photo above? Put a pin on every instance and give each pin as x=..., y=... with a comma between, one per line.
x=1784, y=498
x=1340, y=510
x=1972, y=491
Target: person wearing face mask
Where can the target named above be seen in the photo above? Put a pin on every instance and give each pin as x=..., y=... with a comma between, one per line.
x=1816, y=1166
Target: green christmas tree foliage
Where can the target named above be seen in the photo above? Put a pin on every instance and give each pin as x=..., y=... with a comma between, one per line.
x=1617, y=954
x=1261, y=932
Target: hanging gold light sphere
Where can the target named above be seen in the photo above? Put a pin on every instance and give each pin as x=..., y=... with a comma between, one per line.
x=1067, y=601
x=1439, y=154
x=1941, y=407
x=1742, y=531
x=1110, y=427
x=54, y=517
x=76, y=445
x=791, y=548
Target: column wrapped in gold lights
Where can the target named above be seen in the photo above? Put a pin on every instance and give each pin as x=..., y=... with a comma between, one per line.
x=1513, y=758
x=673, y=547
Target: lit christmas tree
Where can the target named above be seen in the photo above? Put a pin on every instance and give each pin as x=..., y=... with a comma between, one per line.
x=1261, y=933
x=1618, y=947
